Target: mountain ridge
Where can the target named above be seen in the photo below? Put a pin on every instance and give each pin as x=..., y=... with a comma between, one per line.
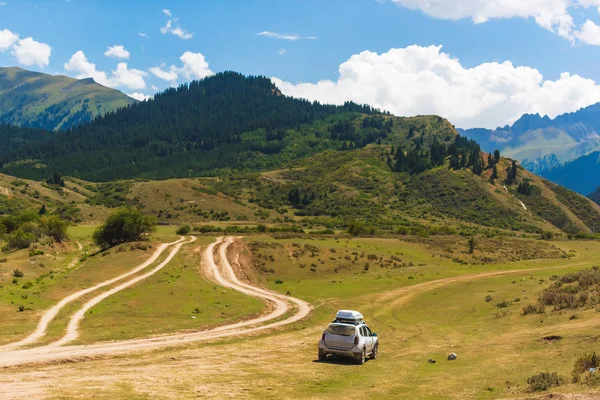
x=53, y=102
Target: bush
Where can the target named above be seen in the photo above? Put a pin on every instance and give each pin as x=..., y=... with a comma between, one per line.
x=34, y=253
x=18, y=273
x=583, y=364
x=54, y=227
x=533, y=309
x=544, y=381
x=125, y=225
x=20, y=240
x=503, y=304
x=183, y=230
x=488, y=298
x=278, y=281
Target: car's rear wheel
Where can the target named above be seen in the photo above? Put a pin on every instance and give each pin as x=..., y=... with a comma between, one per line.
x=361, y=359
x=322, y=355
x=374, y=352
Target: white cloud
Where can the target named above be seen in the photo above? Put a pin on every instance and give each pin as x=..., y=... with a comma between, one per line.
x=2, y=3
x=170, y=74
x=194, y=66
x=29, y=52
x=122, y=76
x=167, y=12
x=280, y=36
x=117, y=51
x=140, y=96
x=155, y=88
x=423, y=80
x=282, y=52
x=589, y=33
x=177, y=31
x=130, y=78
x=142, y=34
x=553, y=15
x=7, y=39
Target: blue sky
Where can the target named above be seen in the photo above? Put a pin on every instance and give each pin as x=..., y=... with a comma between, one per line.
x=330, y=32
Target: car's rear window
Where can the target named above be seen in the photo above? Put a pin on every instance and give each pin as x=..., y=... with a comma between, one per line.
x=343, y=330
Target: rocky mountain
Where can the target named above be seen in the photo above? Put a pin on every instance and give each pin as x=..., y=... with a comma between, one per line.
x=543, y=144
x=53, y=102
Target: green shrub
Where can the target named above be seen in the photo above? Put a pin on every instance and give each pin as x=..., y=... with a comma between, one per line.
x=34, y=253
x=125, y=225
x=18, y=273
x=488, y=298
x=183, y=230
x=544, y=381
x=583, y=365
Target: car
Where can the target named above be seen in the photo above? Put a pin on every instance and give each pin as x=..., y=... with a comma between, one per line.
x=349, y=336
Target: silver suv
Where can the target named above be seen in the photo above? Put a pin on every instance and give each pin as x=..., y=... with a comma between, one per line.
x=349, y=336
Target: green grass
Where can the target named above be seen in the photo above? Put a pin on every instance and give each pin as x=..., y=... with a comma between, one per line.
x=166, y=302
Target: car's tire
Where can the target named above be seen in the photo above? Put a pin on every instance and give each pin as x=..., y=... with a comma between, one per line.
x=374, y=352
x=322, y=355
x=361, y=358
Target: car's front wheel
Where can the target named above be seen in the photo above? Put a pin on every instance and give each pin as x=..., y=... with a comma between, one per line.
x=374, y=352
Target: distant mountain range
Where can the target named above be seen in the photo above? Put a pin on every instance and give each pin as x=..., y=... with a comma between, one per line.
x=52, y=102
x=562, y=149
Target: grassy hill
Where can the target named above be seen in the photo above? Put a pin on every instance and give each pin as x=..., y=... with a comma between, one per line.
x=53, y=102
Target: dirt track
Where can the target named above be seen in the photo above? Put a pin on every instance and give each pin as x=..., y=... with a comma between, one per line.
x=49, y=315
x=222, y=274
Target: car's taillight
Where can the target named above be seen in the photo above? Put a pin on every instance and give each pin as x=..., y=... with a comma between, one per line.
x=323, y=337
x=355, y=339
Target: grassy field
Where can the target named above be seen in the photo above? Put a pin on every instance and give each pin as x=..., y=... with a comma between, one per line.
x=425, y=298
x=178, y=298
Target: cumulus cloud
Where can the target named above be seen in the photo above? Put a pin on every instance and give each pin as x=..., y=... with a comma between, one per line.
x=30, y=52
x=117, y=51
x=280, y=36
x=140, y=96
x=194, y=66
x=553, y=15
x=7, y=39
x=424, y=80
x=589, y=33
x=122, y=76
x=173, y=27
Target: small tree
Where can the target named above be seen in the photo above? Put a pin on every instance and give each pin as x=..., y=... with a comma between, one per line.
x=494, y=174
x=42, y=210
x=497, y=154
x=54, y=227
x=125, y=225
x=472, y=243
x=184, y=230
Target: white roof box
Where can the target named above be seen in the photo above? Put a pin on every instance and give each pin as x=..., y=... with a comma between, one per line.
x=349, y=315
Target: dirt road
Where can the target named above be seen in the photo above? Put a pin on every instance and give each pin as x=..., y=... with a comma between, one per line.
x=49, y=315
x=221, y=272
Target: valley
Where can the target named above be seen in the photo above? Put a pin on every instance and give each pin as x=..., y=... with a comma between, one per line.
x=174, y=255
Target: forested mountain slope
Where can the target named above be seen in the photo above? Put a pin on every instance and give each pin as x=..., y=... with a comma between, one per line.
x=225, y=121
x=52, y=102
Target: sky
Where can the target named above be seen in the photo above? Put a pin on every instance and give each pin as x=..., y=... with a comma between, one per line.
x=479, y=63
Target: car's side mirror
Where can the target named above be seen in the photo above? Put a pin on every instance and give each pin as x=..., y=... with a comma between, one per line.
x=374, y=334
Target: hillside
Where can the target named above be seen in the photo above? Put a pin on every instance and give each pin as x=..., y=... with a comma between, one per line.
x=227, y=121
x=53, y=102
x=581, y=174
x=280, y=159
x=543, y=144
